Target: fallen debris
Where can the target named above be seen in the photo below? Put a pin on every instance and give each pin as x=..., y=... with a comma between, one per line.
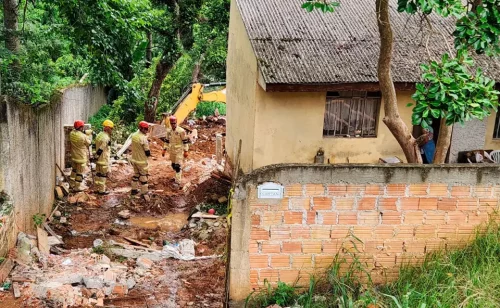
x=125, y=214
x=203, y=215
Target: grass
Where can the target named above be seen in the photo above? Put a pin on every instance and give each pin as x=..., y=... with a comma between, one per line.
x=208, y=109
x=468, y=277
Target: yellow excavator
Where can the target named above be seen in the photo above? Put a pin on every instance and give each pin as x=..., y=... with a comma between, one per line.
x=192, y=97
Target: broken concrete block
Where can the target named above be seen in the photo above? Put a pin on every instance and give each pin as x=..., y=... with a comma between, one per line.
x=144, y=262
x=109, y=277
x=59, y=193
x=130, y=283
x=63, y=220
x=125, y=214
x=120, y=289
x=104, y=260
x=93, y=282
x=43, y=241
x=69, y=279
x=17, y=290
x=40, y=290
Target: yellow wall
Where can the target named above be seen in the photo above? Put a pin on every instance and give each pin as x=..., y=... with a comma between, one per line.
x=289, y=129
x=490, y=143
x=241, y=90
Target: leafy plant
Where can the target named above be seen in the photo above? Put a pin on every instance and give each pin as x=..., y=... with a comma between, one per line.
x=38, y=219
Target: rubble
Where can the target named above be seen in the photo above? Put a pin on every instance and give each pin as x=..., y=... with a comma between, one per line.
x=125, y=214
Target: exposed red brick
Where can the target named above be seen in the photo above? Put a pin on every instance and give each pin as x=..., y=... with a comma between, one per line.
x=344, y=204
x=384, y=232
x=391, y=218
x=434, y=245
x=425, y=232
x=272, y=218
x=280, y=233
x=254, y=276
x=259, y=261
x=293, y=218
x=374, y=190
x=253, y=247
x=300, y=232
x=339, y=232
x=413, y=217
x=293, y=190
x=311, y=247
x=418, y=190
x=311, y=218
x=416, y=246
x=255, y=220
x=476, y=218
x=467, y=204
x=281, y=206
x=259, y=234
x=320, y=232
x=280, y=261
x=485, y=191
x=332, y=246
x=488, y=204
x=409, y=204
x=460, y=191
x=271, y=247
x=348, y=218
x=457, y=218
x=370, y=218
x=337, y=190
x=396, y=189
x=256, y=205
x=435, y=218
x=387, y=204
x=447, y=204
x=362, y=232
x=404, y=232
x=428, y=204
x=366, y=204
x=438, y=190
x=315, y=190
x=323, y=261
x=292, y=247
x=355, y=190
x=393, y=246
x=271, y=275
x=288, y=276
x=300, y=204
x=447, y=231
x=373, y=246
x=322, y=203
x=329, y=218
x=384, y=260
x=299, y=262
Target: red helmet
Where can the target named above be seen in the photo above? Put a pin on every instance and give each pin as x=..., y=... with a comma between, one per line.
x=173, y=119
x=79, y=124
x=143, y=124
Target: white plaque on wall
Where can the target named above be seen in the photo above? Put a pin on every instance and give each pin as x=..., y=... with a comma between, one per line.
x=270, y=190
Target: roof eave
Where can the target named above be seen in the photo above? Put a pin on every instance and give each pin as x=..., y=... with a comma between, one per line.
x=326, y=87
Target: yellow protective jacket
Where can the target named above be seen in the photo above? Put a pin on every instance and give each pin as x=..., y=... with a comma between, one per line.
x=140, y=145
x=177, y=142
x=103, y=143
x=79, y=146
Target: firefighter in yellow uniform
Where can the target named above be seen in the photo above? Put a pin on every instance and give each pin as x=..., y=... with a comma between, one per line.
x=103, y=153
x=140, y=154
x=80, y=143
x=177, y=144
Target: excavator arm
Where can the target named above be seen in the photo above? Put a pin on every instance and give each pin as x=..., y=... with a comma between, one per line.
x=191, y=98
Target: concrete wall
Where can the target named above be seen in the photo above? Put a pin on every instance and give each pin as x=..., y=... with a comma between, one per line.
x=399, y=213
x=32, y=142
x=241, y=91
x=490, y=143
x=471, y=136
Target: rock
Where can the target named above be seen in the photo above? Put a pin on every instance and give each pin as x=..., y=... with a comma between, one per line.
x=222, y=199
x=114, y=231
x=134, y=254
x=130, y=283
x=93, y=282
x=59, y=193
x=109, y=290
x=140, y=272
x=40, y=290
x=52, y=240
x=120, y=289
x=144, y=262
x=68, y=278
x=216, y=224
x=190, y=303
x=104, y=260
x=98, y=242
x=119, y=267
x=63, y=220
x=125, y=214
x=192, y=225
x=86, y=292
x=57, y=214
x=109, y=277
x=100, y=302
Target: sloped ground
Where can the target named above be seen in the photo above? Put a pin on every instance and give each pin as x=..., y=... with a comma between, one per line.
x=168, y=282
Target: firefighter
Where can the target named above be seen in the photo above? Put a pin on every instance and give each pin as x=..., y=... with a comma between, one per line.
x=177, y=144
x=140, y=154
x=103, y=145
x=80, y=143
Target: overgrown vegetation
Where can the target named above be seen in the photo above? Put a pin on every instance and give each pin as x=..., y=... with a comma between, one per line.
x=468, y=277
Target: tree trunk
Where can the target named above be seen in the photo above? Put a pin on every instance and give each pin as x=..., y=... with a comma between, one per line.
x=162, y=70
x=10, y=23
x=149, y=49
x=392, y=118
x=443, y=144
x=196, y=71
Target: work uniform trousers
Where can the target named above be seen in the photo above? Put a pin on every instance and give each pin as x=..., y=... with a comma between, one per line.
x=177, y=157
x=76, y=177
x=140, y=175
x=101, y=176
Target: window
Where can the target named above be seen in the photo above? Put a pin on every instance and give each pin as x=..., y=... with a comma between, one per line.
x=351, y=114
x=496, y=129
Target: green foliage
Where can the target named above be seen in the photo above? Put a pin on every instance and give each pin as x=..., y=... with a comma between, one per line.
x=208, y=108
x=283, y=295
x=450, y=91
x=98, y=250
x=442, y=7
x=480, y=30
x=220, y=208
x=323, y=5
x=38, y=219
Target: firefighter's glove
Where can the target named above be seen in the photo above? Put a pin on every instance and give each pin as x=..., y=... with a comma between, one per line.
x=186, y=154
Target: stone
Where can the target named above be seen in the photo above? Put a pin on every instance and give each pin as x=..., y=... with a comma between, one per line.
x=216, y=224
x=59, y=193
x=125, y=214
x=190, y=303
x=104, y=260
x=222, y=199
x=86, y=292
x=120, y=289
x=93, y=282
x=97, y=242
x=140, y=272
x=100, y=302
x=144, y=262
x=130, y=283
x=63, y=220
x=109, y=277
x=57, y=214
x=67, y=278
x=192, y=225
x=43, y=241
x=119, y=266
x=40, y=290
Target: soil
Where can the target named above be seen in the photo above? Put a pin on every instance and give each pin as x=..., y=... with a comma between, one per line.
x=163, y=218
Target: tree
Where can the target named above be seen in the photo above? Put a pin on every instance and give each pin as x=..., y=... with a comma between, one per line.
x=449, y=90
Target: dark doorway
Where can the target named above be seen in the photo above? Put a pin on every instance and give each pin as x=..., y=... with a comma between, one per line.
x=417, y=132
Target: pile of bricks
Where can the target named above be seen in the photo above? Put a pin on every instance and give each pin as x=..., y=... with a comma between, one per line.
x=390, y=224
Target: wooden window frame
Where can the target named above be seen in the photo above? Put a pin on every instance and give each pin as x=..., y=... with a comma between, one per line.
x=339, y=115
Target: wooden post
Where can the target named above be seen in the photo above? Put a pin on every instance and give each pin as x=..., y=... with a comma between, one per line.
x=218, y=148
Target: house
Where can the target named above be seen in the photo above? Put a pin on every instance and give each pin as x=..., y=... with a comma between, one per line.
x=299, y=81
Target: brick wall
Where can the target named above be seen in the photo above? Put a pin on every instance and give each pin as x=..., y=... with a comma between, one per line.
x=395, y=222
x=325, y=210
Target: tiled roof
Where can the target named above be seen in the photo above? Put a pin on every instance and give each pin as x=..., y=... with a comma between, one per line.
x=296, y=47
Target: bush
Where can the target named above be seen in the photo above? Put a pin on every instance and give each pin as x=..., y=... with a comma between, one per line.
x=208, y=108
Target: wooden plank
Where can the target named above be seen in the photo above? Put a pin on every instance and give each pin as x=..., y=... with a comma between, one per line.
x=135, y=242
x=22, y=279
x=46, y=226
x=17, y=290
x=203, y=215
x=5, y=269
x=43, y=241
